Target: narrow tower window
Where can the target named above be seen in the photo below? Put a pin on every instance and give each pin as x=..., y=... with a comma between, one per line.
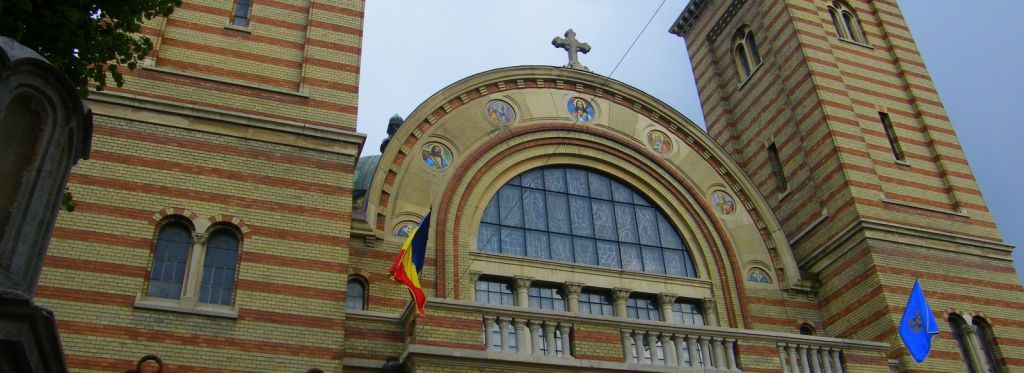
x=890, y=133
x=241, y=13
x=780, y=175
x=846, y=23
x=959, y=328
x=355, y=294
x=745, y=53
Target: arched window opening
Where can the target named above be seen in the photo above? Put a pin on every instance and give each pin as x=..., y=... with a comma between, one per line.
x=960, y=329
x=807, y=329
x=219, y=267
x=356, y=293
x=745, y=53
x=987, y=343
x=580, y=216
x=170, y=259
x=844, y=19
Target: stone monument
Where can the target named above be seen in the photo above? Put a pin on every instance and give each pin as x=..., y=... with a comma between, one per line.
x=45, y=128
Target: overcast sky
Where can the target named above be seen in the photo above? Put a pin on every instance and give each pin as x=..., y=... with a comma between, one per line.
x=412, y=49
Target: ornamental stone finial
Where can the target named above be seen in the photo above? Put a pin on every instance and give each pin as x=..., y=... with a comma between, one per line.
x=572, y=47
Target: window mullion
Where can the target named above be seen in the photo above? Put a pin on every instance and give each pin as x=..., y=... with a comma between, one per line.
x=194, y=270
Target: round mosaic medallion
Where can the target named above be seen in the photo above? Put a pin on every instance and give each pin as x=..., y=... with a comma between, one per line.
x=659, y=142
x=500, y=112
x=436, y=155
x=581, y=110
x=723, y=203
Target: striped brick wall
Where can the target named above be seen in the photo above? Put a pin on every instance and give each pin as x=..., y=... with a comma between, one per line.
x=208, y=130
x=297, y=60
x=818, y=98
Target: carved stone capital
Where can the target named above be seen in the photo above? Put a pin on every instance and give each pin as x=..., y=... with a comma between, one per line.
x=573, y=288
x=620, y=294
x=199, y=237
x=666, y=298
x=523, y=282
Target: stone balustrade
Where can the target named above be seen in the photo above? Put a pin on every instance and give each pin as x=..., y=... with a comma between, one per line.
x=679, y=349
x=527, y=336
x=801, y=358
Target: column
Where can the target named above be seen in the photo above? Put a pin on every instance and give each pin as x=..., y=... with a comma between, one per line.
x=975, y=345
x=665, y=301
x=522, y=339
x=691, y=345
x=522, y=288
x=535, y=337
x=619, y=297
x=473, y=277
x=730, y=352
x=627, y=346
x=710, y=311
x=670, y=350
x=488, y=334
x=826, y=359
x=503, y=327
x=549, y=337
x=572, y=296
x=563, y=329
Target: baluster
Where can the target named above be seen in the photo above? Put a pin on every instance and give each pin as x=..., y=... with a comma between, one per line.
x=719, y=347
x=627, y=346
x=804, y=364
x=563, y=328
x=826, y=359
x=835, y=360
x=691, y=344
x=503, y=326
x=730, y=352
x=794, y=361
x=535, y=338
x=652, y=342
x=488, y=333
x=670, y=350
x=815, y=351
x=705, y=352
x=682, y=354
x=549, y=338
x=782, y=358
x=522, y=339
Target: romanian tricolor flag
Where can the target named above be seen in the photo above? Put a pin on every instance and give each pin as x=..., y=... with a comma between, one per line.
x=409, y=263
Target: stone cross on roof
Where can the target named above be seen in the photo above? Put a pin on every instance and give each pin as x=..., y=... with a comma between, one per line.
x=572, y=46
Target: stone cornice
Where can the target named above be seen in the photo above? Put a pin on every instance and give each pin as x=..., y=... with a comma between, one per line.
x=688, y=17
x=169, y=113
x=879, y=230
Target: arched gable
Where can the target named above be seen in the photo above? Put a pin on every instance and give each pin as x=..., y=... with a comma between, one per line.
x=480, y=132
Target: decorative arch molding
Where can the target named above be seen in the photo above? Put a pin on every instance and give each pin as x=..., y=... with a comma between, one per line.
x=174, y=211
x=237, y=222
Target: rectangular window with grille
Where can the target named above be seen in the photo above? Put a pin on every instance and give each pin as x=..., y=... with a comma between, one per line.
x=595, y=303
x=494, y=291
x=643, y=308
x=890, y=134
x=546, y=297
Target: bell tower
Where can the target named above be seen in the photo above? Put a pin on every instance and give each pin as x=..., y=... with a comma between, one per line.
x=829, y=108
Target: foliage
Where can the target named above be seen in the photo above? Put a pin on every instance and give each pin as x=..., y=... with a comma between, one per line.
x=86, y=39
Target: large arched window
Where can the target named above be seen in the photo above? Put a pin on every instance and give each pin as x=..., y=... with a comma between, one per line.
x=580, y=216
x=170, y=260
x=846, y=23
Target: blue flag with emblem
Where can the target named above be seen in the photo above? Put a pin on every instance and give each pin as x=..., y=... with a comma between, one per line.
x=918, y=325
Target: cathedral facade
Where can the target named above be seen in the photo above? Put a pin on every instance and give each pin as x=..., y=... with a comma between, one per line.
x=225, y=222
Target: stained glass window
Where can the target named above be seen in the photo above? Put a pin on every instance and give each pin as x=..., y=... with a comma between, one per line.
x=581, y=216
